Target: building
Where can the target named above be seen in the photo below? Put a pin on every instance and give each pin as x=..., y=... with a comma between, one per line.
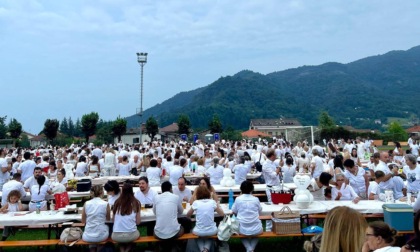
x=275, y=127
x=132, y=136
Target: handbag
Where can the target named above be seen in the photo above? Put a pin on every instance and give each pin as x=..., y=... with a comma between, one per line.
x=72, y=235
x=227, y=227
x=61, y=200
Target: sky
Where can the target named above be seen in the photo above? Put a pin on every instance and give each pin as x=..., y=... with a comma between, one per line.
x=71, y=57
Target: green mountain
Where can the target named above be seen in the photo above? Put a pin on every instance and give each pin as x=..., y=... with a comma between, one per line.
x=356, y=94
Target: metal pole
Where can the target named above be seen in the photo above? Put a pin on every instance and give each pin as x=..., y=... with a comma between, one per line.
x=141, y=104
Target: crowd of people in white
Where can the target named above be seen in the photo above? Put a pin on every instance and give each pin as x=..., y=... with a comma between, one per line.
x=345, y=170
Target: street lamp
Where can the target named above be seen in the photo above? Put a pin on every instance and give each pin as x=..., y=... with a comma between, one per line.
x=142, y=60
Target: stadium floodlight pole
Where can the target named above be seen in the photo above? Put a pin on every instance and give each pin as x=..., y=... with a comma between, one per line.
x=142, y=60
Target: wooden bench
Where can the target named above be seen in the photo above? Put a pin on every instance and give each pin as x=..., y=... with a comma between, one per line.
x=146, y=239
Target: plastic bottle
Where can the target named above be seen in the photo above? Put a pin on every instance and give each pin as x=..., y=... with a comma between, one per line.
x=193, y=168
x=52, y=205
x=38, y=207
x=230, y=199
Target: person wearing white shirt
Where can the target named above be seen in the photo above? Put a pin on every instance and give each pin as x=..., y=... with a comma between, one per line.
x=145, y=195
x=215, y=172
x=154, y=173
x=207, y=158
x=241, y=170
x=38, y=194
x=126, y=217
x=317, y=164
x=95, y=212
x=183, y=192
x=357, y=178
x=247, y=209
x=204, y=208
x=175, y=172
x=412, y=173
x=33, y=179
x=167, y=207
x=5, y=168
x=348, y=146
x=11, y=185
x=414, y=148
x=271, y=175
x=343, y=191
x=97, y=152
x=26, y=168
x=379, y=238
x=288, y=170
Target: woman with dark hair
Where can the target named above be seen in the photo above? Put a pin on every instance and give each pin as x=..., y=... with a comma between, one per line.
x=38, y=194
x=248, y=208
x=205, y=182
x=126, y=217
x=204, y=208
x=61, y=177
x=338, y=164
x=380, y=237
x=112, y=189
x=81, y=167
x=413, y=245
x=398, y=153
x=154, y=173
x=94, y=167
x=355, y=157
x=124, y=167
x=95, y=212
x=288, y=170
x=52, y=171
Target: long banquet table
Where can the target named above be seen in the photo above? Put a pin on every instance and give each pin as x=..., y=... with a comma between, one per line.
x=54, y=217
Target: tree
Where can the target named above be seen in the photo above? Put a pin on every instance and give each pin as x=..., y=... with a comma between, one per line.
x=119, y=126
x=15, y=129
x=215, y=125
x=64, y=127
x=104, y=134
x=71, y=127
x=152, y=127
x=397, y=132
x=325, y=120
x=183, y=124
x=78, y=128
x=89, y=122
x=51, y=128
x=3, y=127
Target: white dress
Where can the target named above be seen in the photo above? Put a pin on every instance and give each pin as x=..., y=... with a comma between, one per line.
x=124, y=169
x=95, y=229
x=204, y=215
x=153, y=174
x=248, y=210
x=93, y=170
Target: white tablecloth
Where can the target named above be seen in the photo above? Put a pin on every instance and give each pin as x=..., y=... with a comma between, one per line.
x=47, y=217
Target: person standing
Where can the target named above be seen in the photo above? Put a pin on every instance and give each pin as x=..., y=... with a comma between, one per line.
x=26, y=168
x=271, y=176
x=5, y=168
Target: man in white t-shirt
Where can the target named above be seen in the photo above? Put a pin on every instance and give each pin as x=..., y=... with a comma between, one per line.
x=167, y=207
x=26, y=168
x=5, y=168
x=317, y=164
x=175, y=172
x=145, y=195
x=31, y=181
x=414, y=147
x=11, y=185
x=182, y=191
